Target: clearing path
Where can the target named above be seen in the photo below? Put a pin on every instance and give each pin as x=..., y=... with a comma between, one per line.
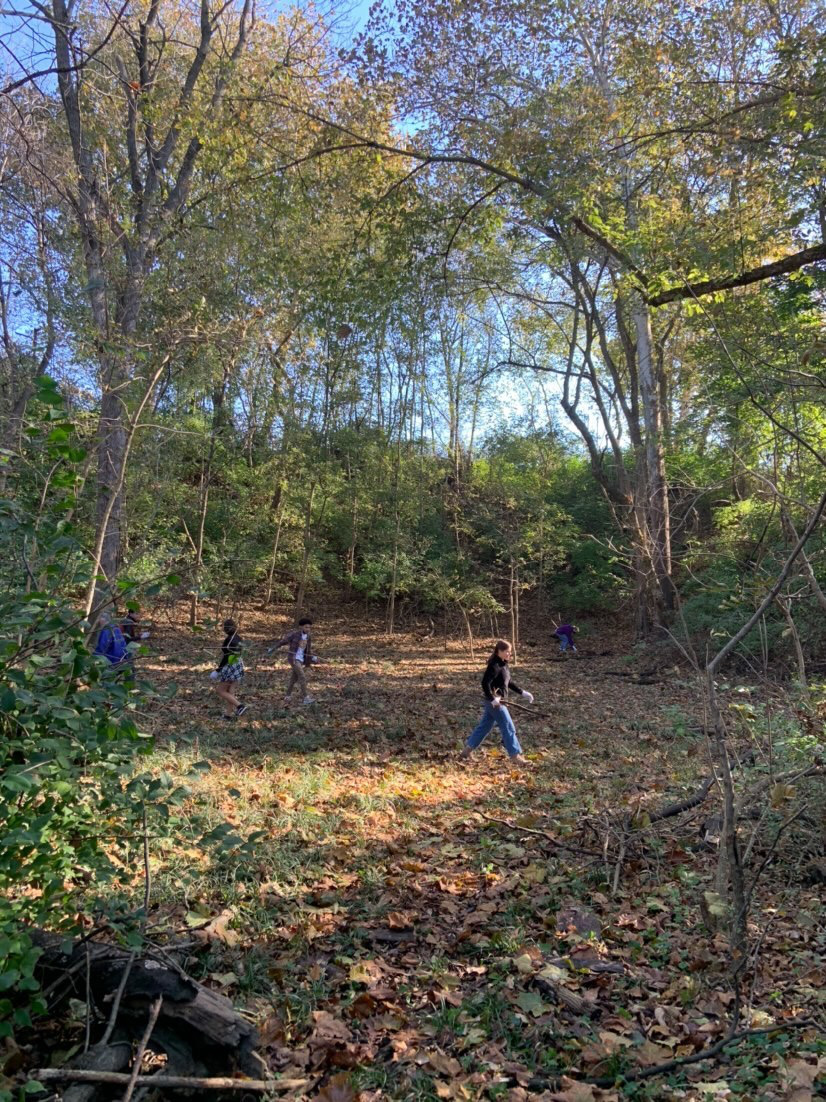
x=427, y=928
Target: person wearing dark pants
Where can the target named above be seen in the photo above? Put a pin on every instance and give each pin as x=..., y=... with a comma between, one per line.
x=496, y=683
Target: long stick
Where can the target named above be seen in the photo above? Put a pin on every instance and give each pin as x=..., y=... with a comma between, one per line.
x=526, y=708
x=522, y=708
x=169, y=1082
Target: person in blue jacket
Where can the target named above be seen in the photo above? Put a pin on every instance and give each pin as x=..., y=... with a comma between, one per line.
x=112, y=645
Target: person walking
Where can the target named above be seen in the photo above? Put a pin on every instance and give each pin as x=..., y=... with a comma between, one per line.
x=496, y=683
x=230, y=670
x=299, y=657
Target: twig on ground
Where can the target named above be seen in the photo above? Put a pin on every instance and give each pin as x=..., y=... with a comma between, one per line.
x=147, y=1033
x=541, y=834
x=696, y=1057
x=542, y=1083
x=168, y=1082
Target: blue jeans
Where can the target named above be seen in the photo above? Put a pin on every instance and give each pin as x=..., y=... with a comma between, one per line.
x=564, y=643
x=502, y=718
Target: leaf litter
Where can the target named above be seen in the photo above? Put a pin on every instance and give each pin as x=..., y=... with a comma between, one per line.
x=392, y=943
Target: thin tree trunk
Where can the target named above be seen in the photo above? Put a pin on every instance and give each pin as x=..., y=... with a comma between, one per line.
x=394, y=581
x=732, y=871
x=271, y=573
x=785, y=607
x=469, y=631
x=512, y=608
x=302, y=585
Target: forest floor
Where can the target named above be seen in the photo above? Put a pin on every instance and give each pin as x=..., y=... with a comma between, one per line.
x=407, y=926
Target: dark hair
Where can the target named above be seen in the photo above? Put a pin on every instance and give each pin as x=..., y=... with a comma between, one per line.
x=304, y=620
x=501, y=644
x=230, y=625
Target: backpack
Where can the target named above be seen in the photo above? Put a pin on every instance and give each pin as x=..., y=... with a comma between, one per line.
x=111, y=645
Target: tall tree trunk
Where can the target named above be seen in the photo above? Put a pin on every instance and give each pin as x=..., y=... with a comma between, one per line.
x=512, y=606
x=469, y=631
x=305, y=562
x=658, y=513
x=394, y=581
x=218, y=423
x=273, y=558
x=351, y=550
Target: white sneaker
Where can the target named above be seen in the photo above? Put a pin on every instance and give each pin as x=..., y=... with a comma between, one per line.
x=308, y=700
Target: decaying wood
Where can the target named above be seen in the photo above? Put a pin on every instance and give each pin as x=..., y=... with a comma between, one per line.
x=105, y=1058
x=192, y=1018
x=562, y=995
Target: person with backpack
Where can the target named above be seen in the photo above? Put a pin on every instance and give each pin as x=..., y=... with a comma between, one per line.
x=112, y=645
x=299, y=657
x=230, y=669
x=496, y=684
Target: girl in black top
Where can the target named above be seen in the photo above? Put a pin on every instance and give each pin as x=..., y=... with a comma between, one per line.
x=230, y=668
x=496, y=683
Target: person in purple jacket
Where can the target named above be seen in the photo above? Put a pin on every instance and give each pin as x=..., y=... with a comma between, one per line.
x=565, y=634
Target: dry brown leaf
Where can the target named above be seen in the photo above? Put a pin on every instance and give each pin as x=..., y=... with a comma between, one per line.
x=799, y=1078
x=443, y=1064
x=399, y=920
x=337, y=1089
x=573, y=1092
x=218, y=930
x=366, y=971
x=329, y=1030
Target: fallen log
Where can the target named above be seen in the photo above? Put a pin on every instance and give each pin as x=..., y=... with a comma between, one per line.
x=197, y=1027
